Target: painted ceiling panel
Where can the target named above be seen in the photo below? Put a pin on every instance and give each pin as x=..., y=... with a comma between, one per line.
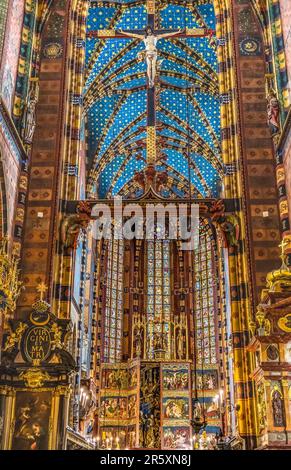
x=187, y=98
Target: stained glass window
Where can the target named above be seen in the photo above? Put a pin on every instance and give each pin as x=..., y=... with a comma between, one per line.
x=3, y=15
x=114, y=302
x=158, y=295
x=204, y=287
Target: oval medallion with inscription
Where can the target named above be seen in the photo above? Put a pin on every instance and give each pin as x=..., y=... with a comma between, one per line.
x=37, y=345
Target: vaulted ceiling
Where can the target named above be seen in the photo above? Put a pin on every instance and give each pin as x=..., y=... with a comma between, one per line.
x=187, y=105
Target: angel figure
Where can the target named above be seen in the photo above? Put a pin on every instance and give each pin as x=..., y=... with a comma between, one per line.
x=150, y=40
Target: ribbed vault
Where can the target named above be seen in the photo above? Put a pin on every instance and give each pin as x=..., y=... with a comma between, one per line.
x=187, y=99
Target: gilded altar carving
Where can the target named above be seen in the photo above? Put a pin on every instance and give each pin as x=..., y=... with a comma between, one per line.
x=10, y=285
x=34, y=378
x=279, y=280
x=150, y=407
x=14, y=337
x=262, y=409
x=57, y=334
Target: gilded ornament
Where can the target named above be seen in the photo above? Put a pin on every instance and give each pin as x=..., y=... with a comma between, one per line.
x=284, y=323
x=57, y=341
x=10, y=286
x=279, y=280
x=260, y=316
x=53, y=50
x=262, y=409
x=14, y=337
x=34, y=378
x=106, y=33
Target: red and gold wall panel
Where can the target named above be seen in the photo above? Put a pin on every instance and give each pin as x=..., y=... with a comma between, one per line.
x=257, y=159
x=42, y=206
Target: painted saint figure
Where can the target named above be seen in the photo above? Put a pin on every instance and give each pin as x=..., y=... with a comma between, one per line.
x=150, y=40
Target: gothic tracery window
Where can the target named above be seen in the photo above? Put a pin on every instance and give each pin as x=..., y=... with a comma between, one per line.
x=158, y=294
x=114, y=302
x=204, y=285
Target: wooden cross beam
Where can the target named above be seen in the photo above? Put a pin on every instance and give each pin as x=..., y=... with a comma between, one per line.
x=187, y=33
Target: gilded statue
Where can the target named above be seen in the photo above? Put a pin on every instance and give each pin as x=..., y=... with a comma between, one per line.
x=180, y=344
x=262, y=410
x=14, y=337
x=57, y=332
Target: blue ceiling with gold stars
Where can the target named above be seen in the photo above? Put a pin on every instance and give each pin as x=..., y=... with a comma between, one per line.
x=187, y=99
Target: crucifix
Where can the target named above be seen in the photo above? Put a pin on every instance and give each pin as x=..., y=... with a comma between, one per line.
x=150, y=36
x=283, y=245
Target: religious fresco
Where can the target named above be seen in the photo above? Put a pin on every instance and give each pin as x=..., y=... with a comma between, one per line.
x=31, y=429
x=177, y=437
x=11, y=51
x=159, y=402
